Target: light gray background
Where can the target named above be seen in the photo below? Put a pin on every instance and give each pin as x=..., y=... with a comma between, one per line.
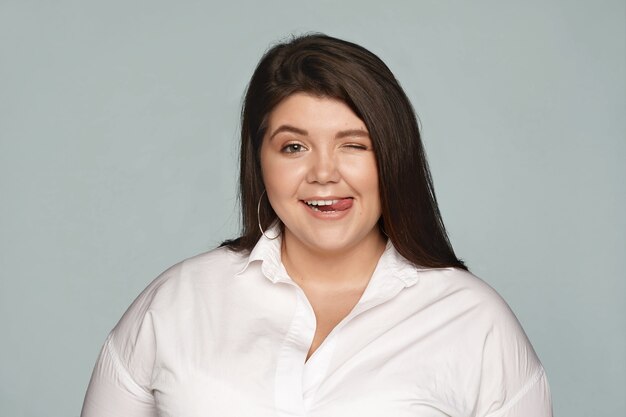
x=119, y=124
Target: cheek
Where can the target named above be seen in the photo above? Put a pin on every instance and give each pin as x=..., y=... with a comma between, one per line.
x=363, y=176
x=280, y=177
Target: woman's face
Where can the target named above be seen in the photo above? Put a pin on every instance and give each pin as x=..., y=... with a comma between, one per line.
x=320, y=174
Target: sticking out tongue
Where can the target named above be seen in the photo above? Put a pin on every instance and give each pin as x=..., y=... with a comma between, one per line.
x=340, y=205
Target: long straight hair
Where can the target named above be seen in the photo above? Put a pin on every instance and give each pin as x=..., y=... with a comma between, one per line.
x=329, y=67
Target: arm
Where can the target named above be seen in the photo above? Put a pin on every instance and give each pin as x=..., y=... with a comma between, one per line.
x=532, y=400
x=121, y=381
x=513, y=380
x=112, y=391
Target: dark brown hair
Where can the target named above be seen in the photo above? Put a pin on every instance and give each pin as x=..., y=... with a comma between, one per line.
x=329, y=67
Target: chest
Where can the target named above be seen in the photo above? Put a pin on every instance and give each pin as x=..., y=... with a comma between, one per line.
x=329, y=308
x=255, y=360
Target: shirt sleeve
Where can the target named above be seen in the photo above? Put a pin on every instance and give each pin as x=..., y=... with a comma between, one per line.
x=113, y=392
x=513, y=380
x=532, y=400
x=121, y=383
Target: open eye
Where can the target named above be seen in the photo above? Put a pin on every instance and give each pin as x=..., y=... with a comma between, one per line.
x=293, y=148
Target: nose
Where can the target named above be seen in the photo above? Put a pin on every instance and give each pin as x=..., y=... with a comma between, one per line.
x=323, y=168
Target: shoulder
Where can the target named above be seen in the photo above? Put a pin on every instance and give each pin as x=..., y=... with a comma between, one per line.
x=207, y=268
x=173, y=292
x=484, y=313
x=467, y=291
x=507, y=364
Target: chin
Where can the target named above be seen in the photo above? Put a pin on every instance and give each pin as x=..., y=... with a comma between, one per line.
x=335, y=243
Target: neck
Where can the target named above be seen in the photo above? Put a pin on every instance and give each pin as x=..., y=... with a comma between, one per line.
x=349, y=268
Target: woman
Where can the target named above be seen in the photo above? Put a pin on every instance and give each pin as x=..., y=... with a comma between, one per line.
x=343, y=296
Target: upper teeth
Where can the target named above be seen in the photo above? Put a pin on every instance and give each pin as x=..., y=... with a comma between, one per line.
x=321, y=202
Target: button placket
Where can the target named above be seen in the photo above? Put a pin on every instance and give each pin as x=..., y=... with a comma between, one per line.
x=289, y=395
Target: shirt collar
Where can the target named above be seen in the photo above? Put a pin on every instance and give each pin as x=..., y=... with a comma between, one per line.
x=267, y=252
x=392, y=264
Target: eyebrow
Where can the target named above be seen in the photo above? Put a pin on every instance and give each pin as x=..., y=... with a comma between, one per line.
x=290, y=129
x=339, y=135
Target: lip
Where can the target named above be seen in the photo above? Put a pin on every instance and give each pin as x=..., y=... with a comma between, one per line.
x=326, y=215
x=328, y=197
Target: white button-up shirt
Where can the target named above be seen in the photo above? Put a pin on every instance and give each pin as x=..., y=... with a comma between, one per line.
x=227, y=334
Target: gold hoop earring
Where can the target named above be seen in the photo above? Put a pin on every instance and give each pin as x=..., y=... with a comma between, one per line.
x=258, y=217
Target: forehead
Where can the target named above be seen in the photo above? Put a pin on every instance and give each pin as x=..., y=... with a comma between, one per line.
x=312, y=112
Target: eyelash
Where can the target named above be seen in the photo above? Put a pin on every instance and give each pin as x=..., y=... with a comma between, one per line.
x=357, y=146
x=289, y=148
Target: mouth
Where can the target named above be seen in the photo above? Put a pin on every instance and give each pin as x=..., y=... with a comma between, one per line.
x=329, y=205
